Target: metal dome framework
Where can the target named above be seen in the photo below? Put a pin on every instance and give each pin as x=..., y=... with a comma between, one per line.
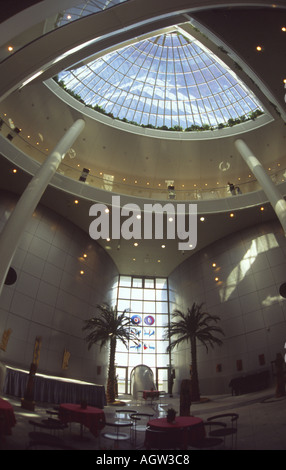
x=168, y=80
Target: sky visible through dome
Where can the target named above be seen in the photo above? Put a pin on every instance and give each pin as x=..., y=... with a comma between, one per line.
x=168, y=80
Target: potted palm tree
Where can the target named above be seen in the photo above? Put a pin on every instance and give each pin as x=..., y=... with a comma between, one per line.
x=108, y=327
x=193, y=326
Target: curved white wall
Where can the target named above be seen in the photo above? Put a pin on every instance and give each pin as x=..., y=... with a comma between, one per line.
x=250, y=266
x=51, y=298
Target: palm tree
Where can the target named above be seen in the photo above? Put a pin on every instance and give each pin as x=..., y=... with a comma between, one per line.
x=192, y=326
x=108, y=327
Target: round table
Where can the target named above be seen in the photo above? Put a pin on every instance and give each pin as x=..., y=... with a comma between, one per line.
x=7, y=417
x=89, y=416
x=191, y=428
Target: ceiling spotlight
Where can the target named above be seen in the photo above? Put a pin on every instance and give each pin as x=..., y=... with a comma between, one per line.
x=231, y=215
x=163, y=246
x=259, y=48
x=135, y=244
x=214, y=265
x=216, y=279
x=76, y=201
x=284, y=29
x=202, y=219
x=10, y=48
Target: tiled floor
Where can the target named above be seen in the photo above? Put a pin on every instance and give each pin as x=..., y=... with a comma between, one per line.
x=261, y=424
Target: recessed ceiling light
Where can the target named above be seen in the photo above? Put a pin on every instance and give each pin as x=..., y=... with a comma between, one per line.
x=106, y=210
x=202, y=219
x=214, y=265
x=14, y=170
x=170, y=219
x=135, y=244
x=284, y=29
x=259, y=48
x=10, y=48
x=163, y=246
x=76, y=201
x=216, y=279
x=231, y=215
x=85, y=255
x=81, y=272
x=262, y=209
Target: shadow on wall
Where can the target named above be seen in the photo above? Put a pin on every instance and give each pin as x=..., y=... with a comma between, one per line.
x=239, y=279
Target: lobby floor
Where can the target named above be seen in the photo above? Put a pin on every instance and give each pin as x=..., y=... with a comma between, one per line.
x=261, y=424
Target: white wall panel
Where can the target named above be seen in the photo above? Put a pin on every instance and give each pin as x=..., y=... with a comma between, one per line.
x=51, y=299
x=251, y=266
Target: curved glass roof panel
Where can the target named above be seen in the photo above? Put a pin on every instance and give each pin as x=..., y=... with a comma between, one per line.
x=86, y=8
x=168, y=81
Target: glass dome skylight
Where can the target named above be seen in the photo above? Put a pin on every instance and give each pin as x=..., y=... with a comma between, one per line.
x=168, y=81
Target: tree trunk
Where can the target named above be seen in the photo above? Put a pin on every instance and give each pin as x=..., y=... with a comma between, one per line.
x=194, y=372
x=110, y=392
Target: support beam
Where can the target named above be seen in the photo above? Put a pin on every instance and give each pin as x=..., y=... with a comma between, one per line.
x=272, y=192
x=16, y=224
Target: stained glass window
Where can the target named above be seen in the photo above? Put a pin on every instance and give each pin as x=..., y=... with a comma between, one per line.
x=146, y=299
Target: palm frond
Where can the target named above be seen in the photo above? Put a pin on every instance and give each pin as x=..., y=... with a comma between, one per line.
x=193, y=324
x=106, y=324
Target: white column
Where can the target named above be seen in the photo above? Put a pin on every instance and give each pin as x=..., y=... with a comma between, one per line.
x=15, y=225
x=275, y=197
